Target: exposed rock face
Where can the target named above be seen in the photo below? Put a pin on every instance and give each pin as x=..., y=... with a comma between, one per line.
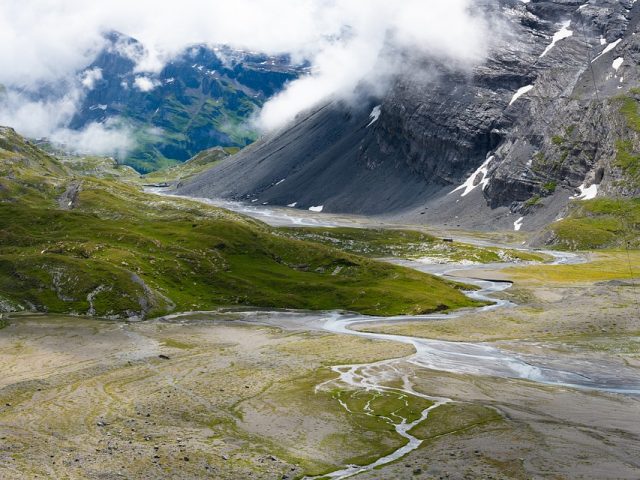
x=543, y=109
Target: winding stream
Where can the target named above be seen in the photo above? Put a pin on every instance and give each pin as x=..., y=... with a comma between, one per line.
x=480, y=359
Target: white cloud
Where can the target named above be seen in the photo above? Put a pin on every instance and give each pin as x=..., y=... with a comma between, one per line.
x=37, y=118
x=380, y=34
x=90, y=77
x=96, y=139
x=48, y=118
x=348, y=42
x=145, y=84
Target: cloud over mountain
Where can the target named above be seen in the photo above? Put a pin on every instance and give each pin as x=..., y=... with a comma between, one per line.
x=348, y=43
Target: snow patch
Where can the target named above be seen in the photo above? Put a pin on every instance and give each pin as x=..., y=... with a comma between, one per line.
x=316, y=209
x=609, y=47
x=520, y=93
x=375, y=115
x=517, y=225
x=617, y=63
x=292, y=205
x=471, y=183
x=561, y=34
x=278, y=183
x=586, y=193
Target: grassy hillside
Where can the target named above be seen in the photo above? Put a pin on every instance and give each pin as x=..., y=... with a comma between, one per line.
x=82, y=244
x=599, y=223
x=191, y=167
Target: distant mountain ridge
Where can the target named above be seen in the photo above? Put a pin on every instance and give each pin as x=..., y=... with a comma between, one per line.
x=203, y=98
x=206, y=96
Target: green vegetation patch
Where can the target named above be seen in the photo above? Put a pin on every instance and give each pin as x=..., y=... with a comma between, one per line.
x=357, y=431
x=549, y=187
x=195, y=165
x=608, y=265
x=99, y=246
x=454, y=418
x=628, y=162
x=629, y=110
x=599, y=223
x=533, y=201
x=384, y=243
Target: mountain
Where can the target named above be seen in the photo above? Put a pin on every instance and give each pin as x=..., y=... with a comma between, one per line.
x=203, y=98
x=550, y=116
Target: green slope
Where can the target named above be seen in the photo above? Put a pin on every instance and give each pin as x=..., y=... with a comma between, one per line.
x=72, y=243
x=599, y=223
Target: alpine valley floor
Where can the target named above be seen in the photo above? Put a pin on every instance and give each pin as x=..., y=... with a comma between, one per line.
x=548, y=388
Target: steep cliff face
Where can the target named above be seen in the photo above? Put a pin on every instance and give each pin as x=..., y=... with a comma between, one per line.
x=548, y=116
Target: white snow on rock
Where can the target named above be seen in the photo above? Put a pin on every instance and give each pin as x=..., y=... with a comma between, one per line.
x=586, y=193
x=278, y=183
x=472, y=183
x=375, y=114
x=609, y=47
x=561, y=34
x=520, y=93
x=617, y=63
x=317, y=209
x=517, y=225
x=292, y=205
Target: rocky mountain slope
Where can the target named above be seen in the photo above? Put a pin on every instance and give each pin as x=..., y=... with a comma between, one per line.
x=551, y=115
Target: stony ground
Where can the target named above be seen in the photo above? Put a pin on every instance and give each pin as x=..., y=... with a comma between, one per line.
x=209, y=396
